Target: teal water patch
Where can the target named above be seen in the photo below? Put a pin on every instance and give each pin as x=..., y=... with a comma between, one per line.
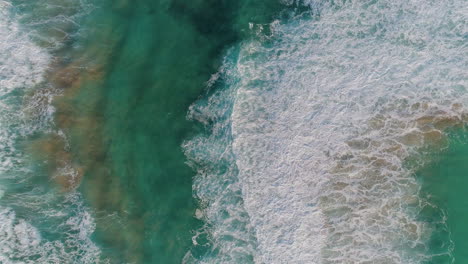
x=444, y=183
x=122, y=80
x=299, y=147
x=154, y=59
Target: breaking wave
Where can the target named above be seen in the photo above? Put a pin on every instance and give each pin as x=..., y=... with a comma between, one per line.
x=315, y=130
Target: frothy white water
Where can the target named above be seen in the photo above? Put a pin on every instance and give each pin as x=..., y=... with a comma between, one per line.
x=22, y=63
x=324, y=116
x=217, y=186
x=21, y=242
x=22, y=68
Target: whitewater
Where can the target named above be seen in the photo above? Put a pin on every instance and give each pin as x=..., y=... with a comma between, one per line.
x=24, y=113
x=316, y=125
x=314, y=128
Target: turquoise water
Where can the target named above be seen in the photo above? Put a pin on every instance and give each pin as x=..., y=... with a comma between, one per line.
x=125, y=76
x=160, y=56
x=232, y=131
x=443, y=184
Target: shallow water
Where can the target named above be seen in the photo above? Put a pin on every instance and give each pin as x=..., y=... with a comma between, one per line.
x=444, y=184
x=122, y=77
x=317, y=125
x=160, y=56
x=232, y=131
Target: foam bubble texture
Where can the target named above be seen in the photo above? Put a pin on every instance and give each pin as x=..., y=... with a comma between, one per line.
x=326, y=113
x=22, y=66
x=21, y=242
x=217, y=187
x=22, y=63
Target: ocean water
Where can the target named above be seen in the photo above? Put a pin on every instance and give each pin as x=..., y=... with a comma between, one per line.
x=279, y=131
x=443, y=181
x=316, y=136
x=38, y=224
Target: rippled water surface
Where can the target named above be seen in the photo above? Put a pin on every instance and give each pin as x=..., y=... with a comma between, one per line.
x=246, y=131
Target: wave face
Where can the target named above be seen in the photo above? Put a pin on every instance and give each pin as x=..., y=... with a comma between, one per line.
x=37, y=224
x=315, y=131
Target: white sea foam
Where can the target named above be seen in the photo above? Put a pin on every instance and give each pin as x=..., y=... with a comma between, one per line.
x=22, y=66
x=22, y=63
x=21, y=242
x=228, y=225
x=324, y=116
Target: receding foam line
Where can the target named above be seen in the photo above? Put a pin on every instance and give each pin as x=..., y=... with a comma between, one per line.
x=325, y=114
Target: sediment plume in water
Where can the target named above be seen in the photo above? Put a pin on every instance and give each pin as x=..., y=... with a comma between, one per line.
x=308, y=134
x=38, y=224
x=120, y=105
